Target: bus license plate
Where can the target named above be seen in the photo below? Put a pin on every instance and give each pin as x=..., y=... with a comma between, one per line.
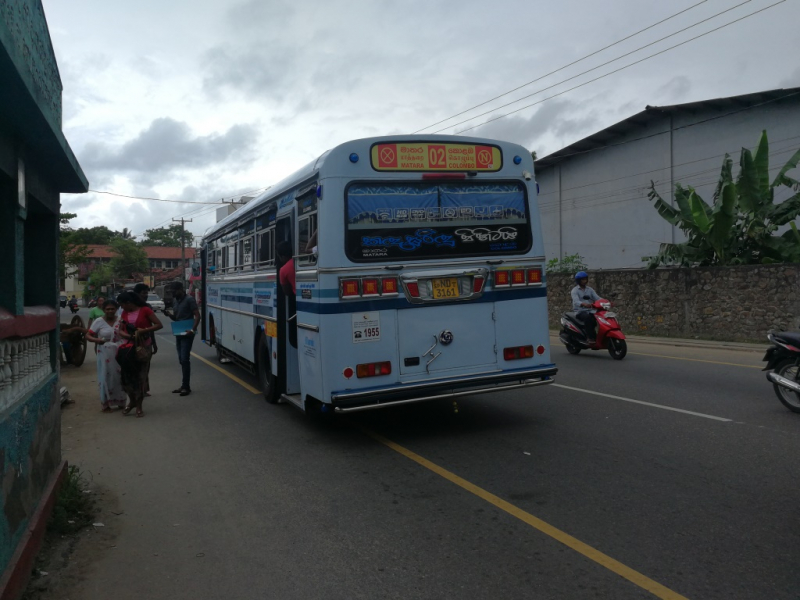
x=445, y=288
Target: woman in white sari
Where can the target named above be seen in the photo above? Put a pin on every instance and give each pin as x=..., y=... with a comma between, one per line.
x=104, y=333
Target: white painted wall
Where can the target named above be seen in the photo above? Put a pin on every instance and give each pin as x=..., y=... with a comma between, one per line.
x=595, y=203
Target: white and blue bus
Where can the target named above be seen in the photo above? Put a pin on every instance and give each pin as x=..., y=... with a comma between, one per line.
x=426, y=280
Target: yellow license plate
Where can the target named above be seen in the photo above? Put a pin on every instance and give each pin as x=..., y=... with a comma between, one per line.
x=271, y=328
x=445, y=288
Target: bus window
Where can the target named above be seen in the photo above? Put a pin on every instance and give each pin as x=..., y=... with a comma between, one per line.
x=230, y=264
x=306, y=227
x=266, y=255
x=210, y=258
x=247, y=253
x=401, y=220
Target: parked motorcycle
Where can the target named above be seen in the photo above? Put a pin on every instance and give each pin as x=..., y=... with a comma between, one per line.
x=783, y=362
x=609, y=334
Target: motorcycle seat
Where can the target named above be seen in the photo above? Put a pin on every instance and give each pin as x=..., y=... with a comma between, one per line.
x=793, y=337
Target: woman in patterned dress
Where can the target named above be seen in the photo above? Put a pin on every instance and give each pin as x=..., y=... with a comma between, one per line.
x=104, y=332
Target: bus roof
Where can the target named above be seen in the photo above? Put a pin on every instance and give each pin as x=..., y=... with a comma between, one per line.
x=308, y=171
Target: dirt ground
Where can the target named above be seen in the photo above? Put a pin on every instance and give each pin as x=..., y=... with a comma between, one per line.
x=64, y=560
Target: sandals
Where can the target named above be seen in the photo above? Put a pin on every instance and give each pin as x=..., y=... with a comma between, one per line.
x=139, y=413
x=106, y=409
x=126, y=411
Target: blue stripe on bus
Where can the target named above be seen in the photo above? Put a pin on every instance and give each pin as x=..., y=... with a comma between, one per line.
x=245, y=299
x=334, y=308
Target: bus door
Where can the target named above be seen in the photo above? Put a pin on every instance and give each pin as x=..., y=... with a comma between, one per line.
x=288, y=366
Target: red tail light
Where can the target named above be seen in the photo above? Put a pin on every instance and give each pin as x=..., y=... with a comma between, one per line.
x=369, y=287
x=374, y=369
x=390, y=285
x=350, y=288
x=518, y=352
x=534, y=275
x=413, y=289
x=477, y=284
x=517, y=277
x=539, y=349
x=500, y=278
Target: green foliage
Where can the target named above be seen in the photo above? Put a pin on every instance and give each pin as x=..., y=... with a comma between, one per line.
x=70, y=253
x=101, y=235
x=569, y=264
x=73, y=509
x=739, y=226
x=130, y=258
x=167, y=236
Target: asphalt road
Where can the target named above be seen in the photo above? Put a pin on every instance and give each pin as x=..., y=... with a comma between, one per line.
x=671, y=471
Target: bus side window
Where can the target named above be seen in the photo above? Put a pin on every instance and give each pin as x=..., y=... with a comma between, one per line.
x=247, y=253
x=306, y=227
x=230, y=263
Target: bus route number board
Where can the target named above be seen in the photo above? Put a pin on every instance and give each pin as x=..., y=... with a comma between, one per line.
x=366, y=327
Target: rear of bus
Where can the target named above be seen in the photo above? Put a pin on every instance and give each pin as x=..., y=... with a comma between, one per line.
x=434, y=285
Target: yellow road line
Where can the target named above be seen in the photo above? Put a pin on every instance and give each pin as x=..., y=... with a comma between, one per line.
x=713, y=362
x=593, y=554
x=245, y=385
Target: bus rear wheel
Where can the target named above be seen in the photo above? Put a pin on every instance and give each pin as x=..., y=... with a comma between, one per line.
x=265, y=376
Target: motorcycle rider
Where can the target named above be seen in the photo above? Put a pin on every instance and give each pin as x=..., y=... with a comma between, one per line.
x=582, y=298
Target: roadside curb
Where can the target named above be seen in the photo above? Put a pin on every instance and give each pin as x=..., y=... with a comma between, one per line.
x=688, y=343
x=18, y=572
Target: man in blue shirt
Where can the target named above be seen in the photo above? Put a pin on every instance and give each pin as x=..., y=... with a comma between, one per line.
x=184, y=308
x=582, y=299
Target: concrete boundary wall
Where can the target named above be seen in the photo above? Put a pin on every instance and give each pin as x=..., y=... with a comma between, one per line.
x=738, y=304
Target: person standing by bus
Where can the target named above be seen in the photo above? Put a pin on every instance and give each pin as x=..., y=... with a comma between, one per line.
x=143, y=290
x=97, y=311
x=184, y=308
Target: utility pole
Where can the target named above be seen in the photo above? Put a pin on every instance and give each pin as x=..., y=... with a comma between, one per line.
x=183, y=249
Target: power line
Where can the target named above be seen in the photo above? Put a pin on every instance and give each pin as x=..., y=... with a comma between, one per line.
x=687, y=126
x=611, y=72
x=575, y=62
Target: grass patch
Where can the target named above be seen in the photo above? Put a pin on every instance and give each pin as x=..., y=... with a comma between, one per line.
x=74, y=508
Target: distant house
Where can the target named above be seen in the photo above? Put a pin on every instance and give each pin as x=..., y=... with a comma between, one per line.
x=36, y=165
x=165, y=265
x=593, y=193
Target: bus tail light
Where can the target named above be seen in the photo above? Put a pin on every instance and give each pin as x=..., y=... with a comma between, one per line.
x=477, y=284
x=518, y=352
x=535, y=276
x=350, y=288
x=374, y=369
x=501, y=278
x=413, y=289
x=518, y=277
x=389, y=286
x=369, y=287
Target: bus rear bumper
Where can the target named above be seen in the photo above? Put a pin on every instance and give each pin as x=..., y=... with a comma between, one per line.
x=360, y=400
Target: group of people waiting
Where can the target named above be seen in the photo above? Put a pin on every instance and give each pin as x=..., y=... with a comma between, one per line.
x=124, y=335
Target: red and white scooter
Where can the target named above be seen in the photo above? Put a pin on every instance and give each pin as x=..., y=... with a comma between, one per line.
x=609, y=334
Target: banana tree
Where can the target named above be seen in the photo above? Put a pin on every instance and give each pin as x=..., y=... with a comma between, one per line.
x=738, y=226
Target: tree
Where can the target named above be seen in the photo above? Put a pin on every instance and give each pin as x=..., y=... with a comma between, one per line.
x=571, y=263
x=101, y=235
x=533, y=155
x=126, y=234
x=70, y=253
x=129, y=258
x=167, y=236
x=739, y=226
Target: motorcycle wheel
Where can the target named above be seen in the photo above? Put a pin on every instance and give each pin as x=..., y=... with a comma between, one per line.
x=617, y=348
x=573, y=349
x=788, y=398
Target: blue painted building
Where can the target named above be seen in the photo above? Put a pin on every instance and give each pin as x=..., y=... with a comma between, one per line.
x=36, y=165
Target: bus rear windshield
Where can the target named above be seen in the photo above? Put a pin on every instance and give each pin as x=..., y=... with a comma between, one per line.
x=402, y=221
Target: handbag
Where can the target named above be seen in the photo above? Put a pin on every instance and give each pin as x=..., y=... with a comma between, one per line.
x=126, y=354
x=143, y=353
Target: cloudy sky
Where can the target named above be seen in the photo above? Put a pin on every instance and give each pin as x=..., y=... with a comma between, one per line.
x=197, y=101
